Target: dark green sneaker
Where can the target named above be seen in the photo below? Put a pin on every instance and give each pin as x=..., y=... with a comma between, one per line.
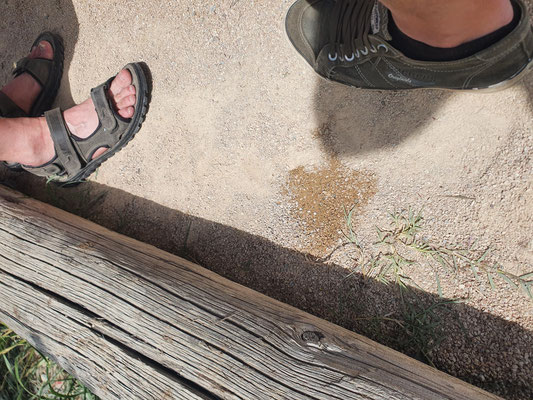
x=347, y=41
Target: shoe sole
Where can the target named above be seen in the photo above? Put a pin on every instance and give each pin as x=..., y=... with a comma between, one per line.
x=136, y=123
x=507, y=83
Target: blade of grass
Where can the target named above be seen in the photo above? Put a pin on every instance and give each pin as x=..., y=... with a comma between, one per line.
x=491, y=281
x=526, y=290
x=439, y=287
x=480, y=259
x=507, y=279
x=5, y=351
x=527, y=276
x=17, y=377
x=473, y=268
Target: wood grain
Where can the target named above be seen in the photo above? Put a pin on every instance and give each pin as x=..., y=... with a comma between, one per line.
x=134, y=322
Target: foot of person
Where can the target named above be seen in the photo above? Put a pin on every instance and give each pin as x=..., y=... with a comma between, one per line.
x=24, y=89
x=82, y=119
x=344, y=49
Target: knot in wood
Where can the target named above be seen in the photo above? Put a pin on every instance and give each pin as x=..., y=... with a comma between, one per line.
x=312, y=337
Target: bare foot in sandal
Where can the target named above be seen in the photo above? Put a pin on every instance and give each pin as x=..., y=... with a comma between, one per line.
x=24, y=89
x=68, y=146
x=82, y=119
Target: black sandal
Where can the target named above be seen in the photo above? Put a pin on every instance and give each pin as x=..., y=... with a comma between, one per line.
x=46, y=72
x=74, y=157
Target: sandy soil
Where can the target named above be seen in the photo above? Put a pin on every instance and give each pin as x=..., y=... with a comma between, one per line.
x=242, y=137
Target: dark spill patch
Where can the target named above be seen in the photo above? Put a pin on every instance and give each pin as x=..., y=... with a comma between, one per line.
x=319, y=198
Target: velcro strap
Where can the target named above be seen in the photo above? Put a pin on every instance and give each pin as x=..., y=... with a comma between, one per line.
x=39, y=68
x=8, y=109
x=104, y=110
x=66, y=153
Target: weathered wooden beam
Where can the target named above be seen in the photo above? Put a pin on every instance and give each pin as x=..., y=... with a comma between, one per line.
x=134, y=322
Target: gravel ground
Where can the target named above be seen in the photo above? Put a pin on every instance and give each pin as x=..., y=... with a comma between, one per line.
x=242, y=137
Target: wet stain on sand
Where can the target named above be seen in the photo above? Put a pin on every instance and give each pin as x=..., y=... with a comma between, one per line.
x=319, y=198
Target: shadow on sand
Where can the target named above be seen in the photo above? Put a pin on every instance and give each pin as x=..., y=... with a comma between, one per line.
x=355, y=121
x=324, y=290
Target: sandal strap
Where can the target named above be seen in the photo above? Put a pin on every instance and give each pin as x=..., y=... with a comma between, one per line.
x=8, y=109
x=38, y=68
x=65, y=150
x=103, y=108
x=73, y=154
x=74, y=159
x=107, y=133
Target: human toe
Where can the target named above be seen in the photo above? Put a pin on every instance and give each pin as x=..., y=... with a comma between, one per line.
x=121, y=81
x=126, y=112
x=42, y=50
x=127, y=91
x=127, y=101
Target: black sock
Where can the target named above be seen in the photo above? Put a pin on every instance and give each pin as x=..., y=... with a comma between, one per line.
x=420, y=51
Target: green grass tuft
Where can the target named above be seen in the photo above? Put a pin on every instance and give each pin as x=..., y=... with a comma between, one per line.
x=401, y=248
x=27, y=375
x=401, y=243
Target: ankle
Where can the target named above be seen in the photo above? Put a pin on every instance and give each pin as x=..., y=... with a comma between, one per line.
x=22, y=91
x=44, y=150
x=39, y=147
x=454, y=24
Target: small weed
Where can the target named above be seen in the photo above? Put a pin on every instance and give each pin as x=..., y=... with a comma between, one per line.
x=397, y=248
x=27, y=375
x=420, y=326
x=401, y=247
x=423, y=328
